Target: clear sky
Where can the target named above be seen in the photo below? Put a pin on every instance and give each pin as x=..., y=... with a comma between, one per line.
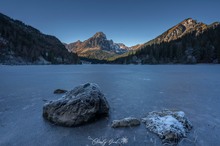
x=128, y=21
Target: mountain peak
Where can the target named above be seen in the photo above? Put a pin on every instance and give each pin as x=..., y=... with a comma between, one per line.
x=98, y=47
x=99, y=35
x=189, y=19
x=185, y=27
x=188, y=22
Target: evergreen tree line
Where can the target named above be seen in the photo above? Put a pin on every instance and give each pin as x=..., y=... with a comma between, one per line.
x=191, y=48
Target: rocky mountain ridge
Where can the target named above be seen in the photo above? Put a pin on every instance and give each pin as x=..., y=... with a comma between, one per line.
x=97, y=47
x=187, y=42
x=183, y=28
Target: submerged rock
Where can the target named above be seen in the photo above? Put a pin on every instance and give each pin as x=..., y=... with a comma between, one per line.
x=170, y=126
x=82, y=104
x=59, y=91
x=126, y=122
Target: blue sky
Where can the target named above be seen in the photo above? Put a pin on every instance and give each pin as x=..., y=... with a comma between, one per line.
x=128, y=21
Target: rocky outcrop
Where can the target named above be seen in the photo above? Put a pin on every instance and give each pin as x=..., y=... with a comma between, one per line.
x=59, y=91
x=81, y=105
x=126, y=122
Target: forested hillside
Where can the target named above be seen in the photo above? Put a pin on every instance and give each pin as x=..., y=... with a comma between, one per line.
x=23, y=44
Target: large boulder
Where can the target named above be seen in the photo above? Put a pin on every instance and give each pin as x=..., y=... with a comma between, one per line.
x=82, y=104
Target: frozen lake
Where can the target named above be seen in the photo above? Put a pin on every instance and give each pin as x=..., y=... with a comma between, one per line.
x=131, y=90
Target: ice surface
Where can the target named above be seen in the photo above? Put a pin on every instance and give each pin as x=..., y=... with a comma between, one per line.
x=189, y=88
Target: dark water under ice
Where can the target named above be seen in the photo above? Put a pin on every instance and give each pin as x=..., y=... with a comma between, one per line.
x=132, y=90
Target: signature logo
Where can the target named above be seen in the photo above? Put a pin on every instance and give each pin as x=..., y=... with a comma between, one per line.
x=103, y=142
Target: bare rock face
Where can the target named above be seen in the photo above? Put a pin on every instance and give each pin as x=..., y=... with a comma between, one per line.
x=81, y=105
x=126, y=122
x=97, y=47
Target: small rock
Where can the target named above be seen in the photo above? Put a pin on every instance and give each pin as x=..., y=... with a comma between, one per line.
x=81, y=105
x=126, y=122
x=45, y=100
x=59, y=91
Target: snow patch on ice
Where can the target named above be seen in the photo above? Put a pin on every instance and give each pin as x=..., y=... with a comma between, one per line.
x=28, y=106
x=144, y=79
x=147, y=79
